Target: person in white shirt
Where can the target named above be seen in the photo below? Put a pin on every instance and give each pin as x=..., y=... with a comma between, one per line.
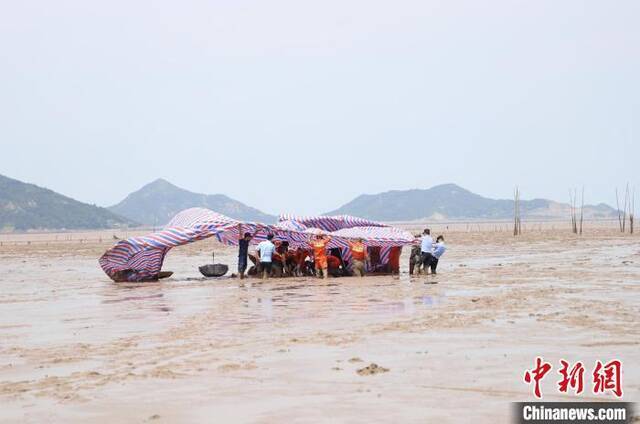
x=438, y=251
x=265, y=252
x=426, y=247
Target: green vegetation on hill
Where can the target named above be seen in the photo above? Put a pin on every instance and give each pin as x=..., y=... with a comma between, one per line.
x=157, y=202
x=29, y=207
x=453, y=202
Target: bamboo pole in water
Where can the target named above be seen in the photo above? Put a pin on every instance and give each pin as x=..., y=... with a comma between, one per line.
x=619, y=212
x=624, y=209
x=630, y=207
x=582, y=210
x=517, y=223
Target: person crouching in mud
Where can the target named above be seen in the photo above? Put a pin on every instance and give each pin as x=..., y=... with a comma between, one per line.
x=358, y=257
x=319, y=246
x=286, y=258
x=438, y=250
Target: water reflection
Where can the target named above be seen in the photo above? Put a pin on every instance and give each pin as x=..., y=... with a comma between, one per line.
x=430, y=300
x=128, y=298
x=261, y=306
x=230, y=305
x=135, y=297
x=293, y=300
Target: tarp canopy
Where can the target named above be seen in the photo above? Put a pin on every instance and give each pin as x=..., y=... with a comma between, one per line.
x=140, y=258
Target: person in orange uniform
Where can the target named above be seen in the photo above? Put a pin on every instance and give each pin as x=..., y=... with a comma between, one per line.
x=359, y=256
x=319, y=245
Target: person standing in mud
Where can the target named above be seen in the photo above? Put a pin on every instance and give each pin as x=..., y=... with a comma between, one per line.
x=415, y=260
x=426, y=248
x=243, y=249
x=319, y=246
x=265, y=252
x=438, y=251
x=358, y=257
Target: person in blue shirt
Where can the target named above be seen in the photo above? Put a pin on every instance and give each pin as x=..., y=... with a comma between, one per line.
x=438, y=250
x=265, y=252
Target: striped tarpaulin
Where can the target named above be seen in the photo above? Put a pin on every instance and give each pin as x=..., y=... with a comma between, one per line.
x=141, y=258
x=330, y=223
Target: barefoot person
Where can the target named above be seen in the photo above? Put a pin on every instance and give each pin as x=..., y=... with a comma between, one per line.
x=265, y=251
x=438, y=251
x=319, y=246
x=358, y=257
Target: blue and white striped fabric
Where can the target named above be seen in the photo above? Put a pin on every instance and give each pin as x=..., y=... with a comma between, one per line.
x=141, y=258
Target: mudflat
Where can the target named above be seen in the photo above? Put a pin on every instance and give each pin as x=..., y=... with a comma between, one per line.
x=76, y=347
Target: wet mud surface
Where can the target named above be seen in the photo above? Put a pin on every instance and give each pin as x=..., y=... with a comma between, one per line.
x=78, y=347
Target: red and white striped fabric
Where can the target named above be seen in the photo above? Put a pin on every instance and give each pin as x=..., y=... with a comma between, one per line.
x=330, y=223
x=141, y=258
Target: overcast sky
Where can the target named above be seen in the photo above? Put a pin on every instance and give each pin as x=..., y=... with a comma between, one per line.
x=301, y=106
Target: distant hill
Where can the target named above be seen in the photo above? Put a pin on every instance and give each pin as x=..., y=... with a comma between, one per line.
x=157, y=202
x=29, y=207
x=449, y=201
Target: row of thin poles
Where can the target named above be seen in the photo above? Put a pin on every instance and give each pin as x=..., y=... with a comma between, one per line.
x=576, y=223
x=517, y=223
x=627, y=211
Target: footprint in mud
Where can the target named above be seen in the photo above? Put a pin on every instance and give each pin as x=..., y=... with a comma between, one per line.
x=355, y=359
x=372, y=369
